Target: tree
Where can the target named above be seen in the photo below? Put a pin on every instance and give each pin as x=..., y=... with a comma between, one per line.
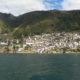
x=27, y=31
x=18, y=33
x=22, y=40
x=65, y=49
x=7, y=48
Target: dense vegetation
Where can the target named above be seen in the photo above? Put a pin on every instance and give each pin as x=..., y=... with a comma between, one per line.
x=40, y=22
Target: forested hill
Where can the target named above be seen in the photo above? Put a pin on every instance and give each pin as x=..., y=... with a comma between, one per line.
x=38, y=22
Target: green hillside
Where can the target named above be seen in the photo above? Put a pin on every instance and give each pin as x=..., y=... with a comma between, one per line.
x=39, y=22
x=3, y=27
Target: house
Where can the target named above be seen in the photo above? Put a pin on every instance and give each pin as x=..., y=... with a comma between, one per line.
x=3, y=43
x=29, y=42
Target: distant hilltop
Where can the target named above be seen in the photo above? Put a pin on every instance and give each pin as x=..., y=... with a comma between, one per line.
x=39, y=22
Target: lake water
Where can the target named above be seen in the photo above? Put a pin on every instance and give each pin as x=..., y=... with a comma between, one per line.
x=39, y=67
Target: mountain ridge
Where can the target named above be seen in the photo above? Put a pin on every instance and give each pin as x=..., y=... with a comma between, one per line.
x=38, y=22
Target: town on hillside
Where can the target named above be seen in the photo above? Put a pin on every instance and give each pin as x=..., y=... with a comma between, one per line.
x=46, y=43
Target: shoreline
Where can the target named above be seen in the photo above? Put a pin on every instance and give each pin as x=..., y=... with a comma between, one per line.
x=39, y=53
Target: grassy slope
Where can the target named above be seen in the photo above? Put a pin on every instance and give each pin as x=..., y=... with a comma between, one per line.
x=43, y=22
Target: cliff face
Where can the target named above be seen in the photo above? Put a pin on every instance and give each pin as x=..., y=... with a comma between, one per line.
x=38, y=22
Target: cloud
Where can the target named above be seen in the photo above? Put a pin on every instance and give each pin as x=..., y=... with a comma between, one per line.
x=71, y=4
x=53, y=4
x=18, y=7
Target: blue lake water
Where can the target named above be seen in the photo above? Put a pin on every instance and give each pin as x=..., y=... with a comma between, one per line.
x=39, y=67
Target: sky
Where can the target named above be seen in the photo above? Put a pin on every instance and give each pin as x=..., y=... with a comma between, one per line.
x=18, y=7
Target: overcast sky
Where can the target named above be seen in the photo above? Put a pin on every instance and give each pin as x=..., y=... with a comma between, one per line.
x=18, y=7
